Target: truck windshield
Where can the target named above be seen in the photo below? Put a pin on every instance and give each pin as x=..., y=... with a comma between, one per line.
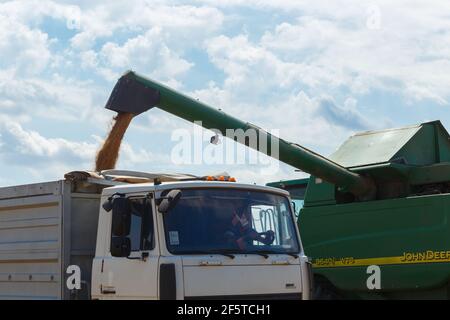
x=230, y=221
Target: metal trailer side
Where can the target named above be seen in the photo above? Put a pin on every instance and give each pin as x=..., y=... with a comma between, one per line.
x=44, y=228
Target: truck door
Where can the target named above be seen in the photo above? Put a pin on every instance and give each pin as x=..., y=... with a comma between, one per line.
x=133, y=276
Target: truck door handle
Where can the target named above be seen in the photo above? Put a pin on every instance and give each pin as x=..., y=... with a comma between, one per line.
x=108, y=290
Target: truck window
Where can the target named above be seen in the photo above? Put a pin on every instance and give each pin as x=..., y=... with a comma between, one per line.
x=298, y=205
x=141, y=232
x=231, y=220
x=268, y=217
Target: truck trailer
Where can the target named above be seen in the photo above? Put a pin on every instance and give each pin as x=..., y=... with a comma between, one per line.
x=130, y=235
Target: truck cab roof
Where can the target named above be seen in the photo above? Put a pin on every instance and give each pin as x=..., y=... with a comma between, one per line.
x=143, y=187
x=124, y=181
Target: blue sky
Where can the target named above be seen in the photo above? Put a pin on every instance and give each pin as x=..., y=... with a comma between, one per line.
x=316, y=71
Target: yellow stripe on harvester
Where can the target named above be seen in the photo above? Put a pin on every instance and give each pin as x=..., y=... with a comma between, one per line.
x=428, y=256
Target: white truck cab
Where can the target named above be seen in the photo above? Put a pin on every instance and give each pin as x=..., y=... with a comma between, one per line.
x=198, y=240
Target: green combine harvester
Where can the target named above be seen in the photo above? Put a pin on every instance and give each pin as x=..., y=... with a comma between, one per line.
x=403, y=228
x=375, y=214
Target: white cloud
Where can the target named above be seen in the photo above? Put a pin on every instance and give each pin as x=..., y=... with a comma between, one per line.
x=305, y=75
x=406, y=54
x=252, y=175
x=333, y=47
x=262, y=88
x=146, y=53
x=158, y=34
x=317, y=123
x=132, y=157
x=96, y=22
x=33, y=11
x=28, y=148
x=56, y=99
x=181, y=22
x=22, y=48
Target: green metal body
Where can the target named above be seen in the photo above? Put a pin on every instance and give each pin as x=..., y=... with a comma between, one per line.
x=405, y=230
x=296, y=189
x=381, y=200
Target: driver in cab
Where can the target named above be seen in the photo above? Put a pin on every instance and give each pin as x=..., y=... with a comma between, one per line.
x=241, y=233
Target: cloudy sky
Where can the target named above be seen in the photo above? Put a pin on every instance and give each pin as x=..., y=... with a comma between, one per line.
x=318, y=71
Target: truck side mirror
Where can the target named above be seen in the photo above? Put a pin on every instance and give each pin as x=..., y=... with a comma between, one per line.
x=120, y=246
x=169, y=201
x=121, y=217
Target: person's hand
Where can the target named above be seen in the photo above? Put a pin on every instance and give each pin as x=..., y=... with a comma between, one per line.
x=266, y=237
x=229, y=236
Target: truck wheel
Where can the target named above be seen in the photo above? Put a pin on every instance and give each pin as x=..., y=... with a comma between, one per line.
x=324, y=290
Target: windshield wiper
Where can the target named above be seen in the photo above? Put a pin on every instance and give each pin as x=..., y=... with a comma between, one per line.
x=265, y=253
x=221, y=252
x=229, y=255
x=261, y=253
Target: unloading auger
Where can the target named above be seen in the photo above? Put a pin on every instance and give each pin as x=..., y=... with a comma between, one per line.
x=135, y=94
